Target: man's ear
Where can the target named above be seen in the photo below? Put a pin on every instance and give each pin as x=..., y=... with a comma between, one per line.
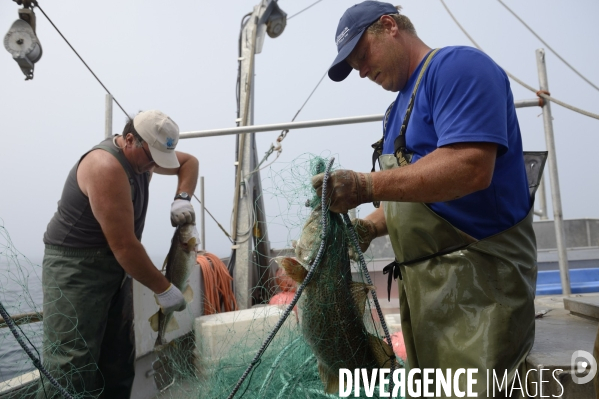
x=129, y=138
x=388, y=22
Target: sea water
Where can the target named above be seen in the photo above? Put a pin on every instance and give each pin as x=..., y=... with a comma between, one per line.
x=20, y=292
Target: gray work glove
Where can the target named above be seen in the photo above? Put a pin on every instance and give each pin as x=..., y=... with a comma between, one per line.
x=171, y=300
x=366, y=232
x=346, y=189
x=182, y=212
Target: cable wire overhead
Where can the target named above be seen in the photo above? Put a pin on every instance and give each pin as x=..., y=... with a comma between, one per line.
x=299, y=12
x=537, y=92
x=548, y=46
x=35, y=3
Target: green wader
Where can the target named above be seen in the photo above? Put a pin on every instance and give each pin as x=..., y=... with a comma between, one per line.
x=464, y=303
x=89, y=343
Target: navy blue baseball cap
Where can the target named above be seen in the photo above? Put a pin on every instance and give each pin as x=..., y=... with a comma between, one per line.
x=352, y=26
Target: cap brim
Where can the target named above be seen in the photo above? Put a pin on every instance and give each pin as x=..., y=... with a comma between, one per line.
x=340, y=68
x=166, y=160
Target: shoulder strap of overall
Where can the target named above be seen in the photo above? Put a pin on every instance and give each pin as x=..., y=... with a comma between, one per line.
x=115, y=153
x=400, y=141
x=378, y=146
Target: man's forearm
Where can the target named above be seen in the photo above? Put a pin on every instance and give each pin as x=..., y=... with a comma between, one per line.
x=188, y=175
x=445, y=174
x=378, y=218
x=136, y=262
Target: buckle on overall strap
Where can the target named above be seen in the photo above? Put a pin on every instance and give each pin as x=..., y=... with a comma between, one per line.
x=393, y=270
x=378, y=150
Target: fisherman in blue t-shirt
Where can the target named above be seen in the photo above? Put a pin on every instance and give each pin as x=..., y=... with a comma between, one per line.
x=454, y=191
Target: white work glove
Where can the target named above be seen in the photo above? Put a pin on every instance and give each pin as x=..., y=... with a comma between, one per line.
x=182, y=212
x=171, y=300
x=196, y=234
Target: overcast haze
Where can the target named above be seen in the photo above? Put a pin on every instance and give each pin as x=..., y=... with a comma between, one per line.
x=181, y=58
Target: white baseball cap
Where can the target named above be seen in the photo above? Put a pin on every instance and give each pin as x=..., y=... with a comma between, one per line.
x=162, y=135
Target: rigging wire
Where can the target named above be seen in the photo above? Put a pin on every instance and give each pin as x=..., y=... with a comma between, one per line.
x=542, y=95
x=548, y=46
x=284, y=132
x=216, y=221
x=299, y=12
x=84, y=63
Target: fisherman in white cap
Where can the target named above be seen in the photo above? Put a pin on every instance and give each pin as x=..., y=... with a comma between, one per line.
x=93, y=249
x=456, y=196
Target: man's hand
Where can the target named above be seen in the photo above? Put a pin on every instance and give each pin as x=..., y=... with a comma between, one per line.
x=366, y=232
x=182, y=212
x=346, y=189
x=171, y=300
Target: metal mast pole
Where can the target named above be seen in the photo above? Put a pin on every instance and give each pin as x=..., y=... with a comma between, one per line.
x=553, y=177
x=249, y=222
x=108, y=117
x=241, y=207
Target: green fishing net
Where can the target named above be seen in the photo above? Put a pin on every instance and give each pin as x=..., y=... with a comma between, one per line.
x=193, y=366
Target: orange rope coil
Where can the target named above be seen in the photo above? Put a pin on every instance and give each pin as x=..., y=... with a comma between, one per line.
x=218, y=291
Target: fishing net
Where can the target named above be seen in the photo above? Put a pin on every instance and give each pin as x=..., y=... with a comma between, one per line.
x=21, y=297
x=210, y=361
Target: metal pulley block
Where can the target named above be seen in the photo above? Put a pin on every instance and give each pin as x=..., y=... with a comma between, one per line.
x=22, y=43
x=276, y=21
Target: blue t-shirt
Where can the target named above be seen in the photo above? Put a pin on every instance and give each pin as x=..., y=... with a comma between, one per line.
x=465, y=97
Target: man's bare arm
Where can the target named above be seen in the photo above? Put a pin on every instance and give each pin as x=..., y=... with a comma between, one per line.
x=103, y=180
x=445, y=174
x=187, y=172
x=448, y=173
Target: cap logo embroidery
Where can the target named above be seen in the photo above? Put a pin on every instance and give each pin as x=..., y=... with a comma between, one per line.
x=342, y=35
x=169, y=143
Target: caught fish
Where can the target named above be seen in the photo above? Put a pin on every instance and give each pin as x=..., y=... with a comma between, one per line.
x=179, y=263
x=333, y=305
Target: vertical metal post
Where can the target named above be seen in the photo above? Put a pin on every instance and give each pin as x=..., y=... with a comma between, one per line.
x=108, y=117
x=203, y=213
x=242, y=273
x=542, y=198
x=553, y=177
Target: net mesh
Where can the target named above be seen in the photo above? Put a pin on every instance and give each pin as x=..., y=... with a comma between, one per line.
x=333, y=324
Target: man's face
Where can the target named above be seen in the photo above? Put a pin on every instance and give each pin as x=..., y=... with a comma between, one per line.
x=140, y=157
x=382, y=59
x=149, y=163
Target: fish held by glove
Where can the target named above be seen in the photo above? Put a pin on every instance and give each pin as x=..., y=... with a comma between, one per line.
x=179, y=263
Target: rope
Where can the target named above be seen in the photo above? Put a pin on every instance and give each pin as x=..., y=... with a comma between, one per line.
x=84, y=63
x=544, y=96
x=354, y=239
x=218, y=293
x=300, y=289
x=35, y=360
x=568, y=106
x=548, y=46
